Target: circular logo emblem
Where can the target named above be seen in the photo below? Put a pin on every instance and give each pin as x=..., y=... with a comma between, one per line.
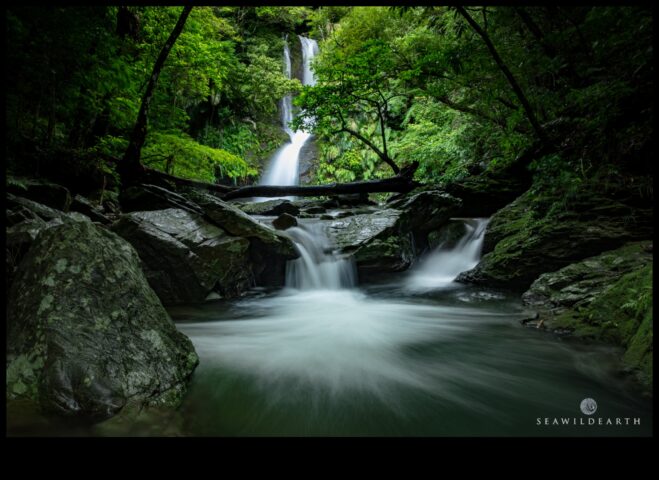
x=588, y=406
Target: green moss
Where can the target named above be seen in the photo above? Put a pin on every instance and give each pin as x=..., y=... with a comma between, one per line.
x=621, y=315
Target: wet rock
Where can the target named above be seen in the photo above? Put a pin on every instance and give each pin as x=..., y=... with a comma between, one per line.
x=19, y=209
x=86, y=333
x=270, y=207
x=41, y=191
x=152, y=197
x=578, y=284
x=607, y=298
x=315, y=210
x=541, y=233
x=448, y=236
x=186, y=257
x=269, y=249
x=284, y=221
x=352, y=232
x=86, y=207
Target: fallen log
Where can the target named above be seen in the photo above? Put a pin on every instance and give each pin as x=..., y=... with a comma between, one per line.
x=401, y=183
x=395, y=184
x=154, y=176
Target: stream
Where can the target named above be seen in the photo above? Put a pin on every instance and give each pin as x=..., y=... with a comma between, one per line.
x=414, y=355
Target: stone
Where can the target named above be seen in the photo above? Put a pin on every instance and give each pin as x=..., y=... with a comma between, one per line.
x=284, y=221
x=270, y=207
x=576, y=285
x=146, y=197
x=86, y=207
x=41, y=191
x=269, y=249
x=186, y=257
x=86, y=334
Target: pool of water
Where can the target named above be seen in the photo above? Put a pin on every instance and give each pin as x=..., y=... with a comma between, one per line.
x=388, y=361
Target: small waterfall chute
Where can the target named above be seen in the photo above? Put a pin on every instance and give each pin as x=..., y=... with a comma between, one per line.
x=316, y=268
x=441, y=267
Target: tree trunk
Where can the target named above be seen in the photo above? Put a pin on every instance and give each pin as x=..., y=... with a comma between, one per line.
x=130, y=167
x=401, y=183
x=508, y=74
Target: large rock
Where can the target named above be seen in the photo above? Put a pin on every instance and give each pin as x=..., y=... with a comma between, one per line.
x=388, y=240
x=86, y=207
x=576, y=285
x=543, y=233
x=186, y=257
x=153, y=197
x=269, y=249
x=605, y=298
x=270, y=207
x=41, y=191
x=25, y=221
x=284, y=221
x=19, y=209
x=86, y=333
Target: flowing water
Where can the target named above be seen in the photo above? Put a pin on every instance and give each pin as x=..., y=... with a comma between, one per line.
x=323, y=357
x=440, y=268
x=283, y=167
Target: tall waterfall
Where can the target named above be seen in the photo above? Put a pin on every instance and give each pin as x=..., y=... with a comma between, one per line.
x=316, y=269
x=443, y=265
x=283, y=168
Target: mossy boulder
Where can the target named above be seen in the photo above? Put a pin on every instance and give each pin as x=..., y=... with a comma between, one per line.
x=86, y=334
x=540, y=233
x=617, y=309
x=185, y=257
x=578, y=284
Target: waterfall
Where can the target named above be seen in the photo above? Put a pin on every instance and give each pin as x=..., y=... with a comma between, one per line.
x=283, y=168
x=444, y=264
x=316, y=269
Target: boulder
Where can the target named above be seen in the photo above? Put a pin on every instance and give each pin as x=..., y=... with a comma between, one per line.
x=86, y=207
x=576, y=285
x=19, y=209
x=86, y=333
x=284, y=221
x=153, y=197
x=606, y=298
x=269, y=249
x=41, y=191
x=25, y=221
x=270, y=207
x=186, y=257
x=387, y=240
x=540, y=233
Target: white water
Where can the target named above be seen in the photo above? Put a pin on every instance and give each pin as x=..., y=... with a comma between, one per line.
x=442, y=266
x=316, y=269
x=283, y=168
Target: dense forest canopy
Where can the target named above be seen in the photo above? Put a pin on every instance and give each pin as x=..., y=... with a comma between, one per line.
x=461, y=90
